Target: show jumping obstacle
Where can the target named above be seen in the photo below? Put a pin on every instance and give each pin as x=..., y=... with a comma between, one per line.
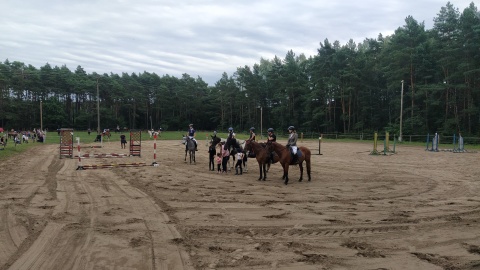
x=435, y=141
x=386, y=144
x=135, y=143
x=66, y=142
x=135, y=150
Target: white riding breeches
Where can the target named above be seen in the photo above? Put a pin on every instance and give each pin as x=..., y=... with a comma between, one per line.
x=294, y=149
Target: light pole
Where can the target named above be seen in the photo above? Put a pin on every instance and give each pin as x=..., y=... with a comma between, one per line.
x=261, y=123
x=41, y=116
x=401, y=114
x=98, y=110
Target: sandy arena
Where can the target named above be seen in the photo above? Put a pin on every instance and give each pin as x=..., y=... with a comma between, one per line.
x=411, y=210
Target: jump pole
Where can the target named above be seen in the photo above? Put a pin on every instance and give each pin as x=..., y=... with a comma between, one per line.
x=435, y=141
x=375, y=140
x=154, y=163
x=460, y=143
x=320, y=144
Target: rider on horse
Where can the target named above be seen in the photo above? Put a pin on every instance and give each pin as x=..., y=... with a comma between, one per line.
x=231, y=136
x=252, y=138
x=214, y=134
x=271, y=135
x=271, y=138
x=292, y=143
x=252, y=134
x=191, y=134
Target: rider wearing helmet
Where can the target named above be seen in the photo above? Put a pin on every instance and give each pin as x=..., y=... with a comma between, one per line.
x=271, y=138
x=252, y=134
x=231, y=135
x=292, y=143
x=271, y=135
x=191, y=133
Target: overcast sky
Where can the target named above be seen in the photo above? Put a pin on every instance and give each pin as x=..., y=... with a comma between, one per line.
x=198, y=37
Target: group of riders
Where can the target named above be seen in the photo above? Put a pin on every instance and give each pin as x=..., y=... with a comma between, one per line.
x=291, y=143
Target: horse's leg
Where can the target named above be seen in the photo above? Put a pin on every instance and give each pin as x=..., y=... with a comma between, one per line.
x=285, y=172
x=264, y=172
x=300, y=164
x=260, y=169
x=186, y=155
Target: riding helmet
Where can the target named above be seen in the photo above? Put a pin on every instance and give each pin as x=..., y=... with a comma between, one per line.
x=252, y=129
x=191, y=125
x=270, y=130
x=291, y=128
x=230, y=129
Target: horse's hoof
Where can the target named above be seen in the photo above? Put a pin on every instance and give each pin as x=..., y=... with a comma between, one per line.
x=286, y=182
x=300, y=180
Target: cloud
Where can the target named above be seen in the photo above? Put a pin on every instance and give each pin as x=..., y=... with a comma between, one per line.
x=201, y=38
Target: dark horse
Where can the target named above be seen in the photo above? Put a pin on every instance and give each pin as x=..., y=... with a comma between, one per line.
x=232, y=145
x=286, y=159
x=190, y=148
x=262, y=156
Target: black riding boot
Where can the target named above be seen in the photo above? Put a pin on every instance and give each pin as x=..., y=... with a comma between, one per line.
x=294, y=159
x=236, y=171
x=241, y=170
x=196, y=147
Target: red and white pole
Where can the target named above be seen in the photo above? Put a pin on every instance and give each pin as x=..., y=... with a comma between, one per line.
x=154, y=163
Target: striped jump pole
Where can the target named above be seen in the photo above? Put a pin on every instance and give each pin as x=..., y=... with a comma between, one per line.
x=108, y=166
x=154, y=163
x=111, y=155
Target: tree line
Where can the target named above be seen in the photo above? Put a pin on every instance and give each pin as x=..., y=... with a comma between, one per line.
x=350, y=88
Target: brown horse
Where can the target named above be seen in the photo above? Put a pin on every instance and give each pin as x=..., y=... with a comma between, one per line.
x=106, y=133
x=286, y=159
x=261, y=155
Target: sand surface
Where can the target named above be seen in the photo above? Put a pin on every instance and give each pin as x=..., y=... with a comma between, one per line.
x=411, y=210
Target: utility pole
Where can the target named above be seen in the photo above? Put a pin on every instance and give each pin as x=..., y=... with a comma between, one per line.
x=98, y=109
x=401, y=114
x=261, y=123
x=41, y=116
